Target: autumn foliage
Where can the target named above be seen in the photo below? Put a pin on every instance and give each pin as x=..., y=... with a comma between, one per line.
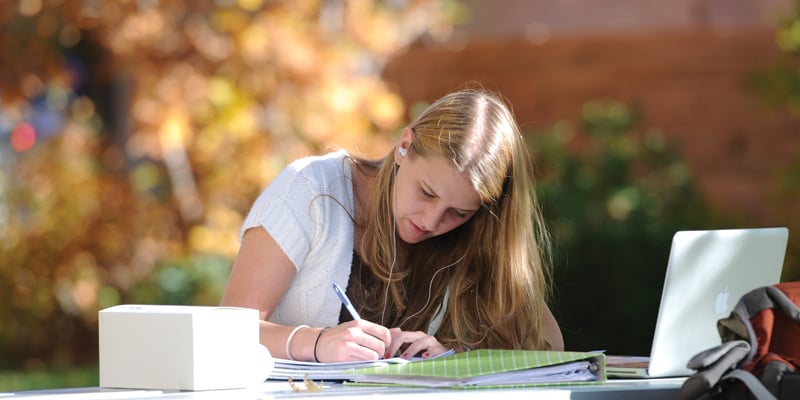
x=136, y=134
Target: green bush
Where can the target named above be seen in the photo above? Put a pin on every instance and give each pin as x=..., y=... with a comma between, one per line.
x=195, y=280
x=614, y=196
x=14, y=381
x=778, y=88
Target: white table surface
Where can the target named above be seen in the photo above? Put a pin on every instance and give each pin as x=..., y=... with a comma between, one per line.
x=617, y=389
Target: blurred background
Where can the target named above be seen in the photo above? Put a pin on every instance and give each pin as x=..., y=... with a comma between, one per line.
x=135, y=134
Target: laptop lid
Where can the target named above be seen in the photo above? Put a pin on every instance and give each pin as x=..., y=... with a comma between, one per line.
x=707, y=272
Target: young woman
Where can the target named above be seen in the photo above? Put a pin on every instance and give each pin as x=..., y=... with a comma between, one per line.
x=440, y=245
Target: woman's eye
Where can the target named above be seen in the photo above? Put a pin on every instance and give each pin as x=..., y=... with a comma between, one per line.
x=459, y=214
x=425, y=193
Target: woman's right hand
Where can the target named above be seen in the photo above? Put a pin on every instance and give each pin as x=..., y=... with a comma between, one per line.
x=356, y=340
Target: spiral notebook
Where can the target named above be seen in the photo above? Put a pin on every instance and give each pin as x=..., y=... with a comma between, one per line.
x=336, y=371
x=490, y=368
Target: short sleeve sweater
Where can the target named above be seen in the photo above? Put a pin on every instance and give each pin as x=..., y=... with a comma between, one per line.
x=307, y=209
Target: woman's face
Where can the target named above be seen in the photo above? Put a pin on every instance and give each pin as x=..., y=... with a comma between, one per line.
x=432, y=198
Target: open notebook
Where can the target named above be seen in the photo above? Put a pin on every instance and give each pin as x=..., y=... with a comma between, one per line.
x=707, y=273
x=298, y=370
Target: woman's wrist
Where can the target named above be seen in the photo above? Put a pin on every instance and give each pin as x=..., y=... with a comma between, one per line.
x=316, y=344
x=289, y=341
x=302, y=346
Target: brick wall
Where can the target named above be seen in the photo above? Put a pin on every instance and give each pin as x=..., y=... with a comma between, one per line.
x=689, y=85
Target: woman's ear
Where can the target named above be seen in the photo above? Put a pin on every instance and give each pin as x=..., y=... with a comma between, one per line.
x=407, y=136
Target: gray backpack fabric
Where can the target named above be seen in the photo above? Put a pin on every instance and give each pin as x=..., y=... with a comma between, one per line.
x=760, y=352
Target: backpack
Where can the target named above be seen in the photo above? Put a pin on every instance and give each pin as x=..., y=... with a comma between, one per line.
x=760, y=352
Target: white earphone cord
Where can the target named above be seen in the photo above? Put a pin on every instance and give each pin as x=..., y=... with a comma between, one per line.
x=430, y=287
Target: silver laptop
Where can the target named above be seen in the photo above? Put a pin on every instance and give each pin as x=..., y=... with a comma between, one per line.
x=707, y=273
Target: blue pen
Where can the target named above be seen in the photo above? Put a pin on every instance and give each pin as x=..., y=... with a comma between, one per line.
x=347, y=304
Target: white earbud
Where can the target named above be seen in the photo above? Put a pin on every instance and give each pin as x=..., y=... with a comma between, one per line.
x=402, y=152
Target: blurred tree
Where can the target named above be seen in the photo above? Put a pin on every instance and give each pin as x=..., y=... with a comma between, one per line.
x=614, y=196
x=779, y=89
x=137, y=133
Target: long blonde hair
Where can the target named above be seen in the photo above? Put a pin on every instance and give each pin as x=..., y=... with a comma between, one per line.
x=497, y=292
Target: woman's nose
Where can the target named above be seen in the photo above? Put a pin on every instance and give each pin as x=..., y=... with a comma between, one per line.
x=432, y=219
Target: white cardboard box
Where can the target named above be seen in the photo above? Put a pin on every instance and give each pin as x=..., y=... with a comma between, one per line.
x=181, y=347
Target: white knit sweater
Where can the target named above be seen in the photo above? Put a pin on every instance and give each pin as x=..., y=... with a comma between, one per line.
x=307, y=209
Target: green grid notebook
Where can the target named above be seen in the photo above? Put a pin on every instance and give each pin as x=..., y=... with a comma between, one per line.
x=491, y=369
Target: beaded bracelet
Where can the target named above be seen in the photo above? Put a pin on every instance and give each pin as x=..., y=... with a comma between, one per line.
x=316, y=342
x=289, y=340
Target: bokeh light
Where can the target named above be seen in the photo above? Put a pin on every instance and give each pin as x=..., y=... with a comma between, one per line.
x=143, y=130
x=23, y=137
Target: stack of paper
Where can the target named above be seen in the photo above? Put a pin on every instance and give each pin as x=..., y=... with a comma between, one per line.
x=299, y=370
x=491, y=369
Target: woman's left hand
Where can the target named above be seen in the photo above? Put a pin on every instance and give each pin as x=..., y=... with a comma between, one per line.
x=418, y=344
